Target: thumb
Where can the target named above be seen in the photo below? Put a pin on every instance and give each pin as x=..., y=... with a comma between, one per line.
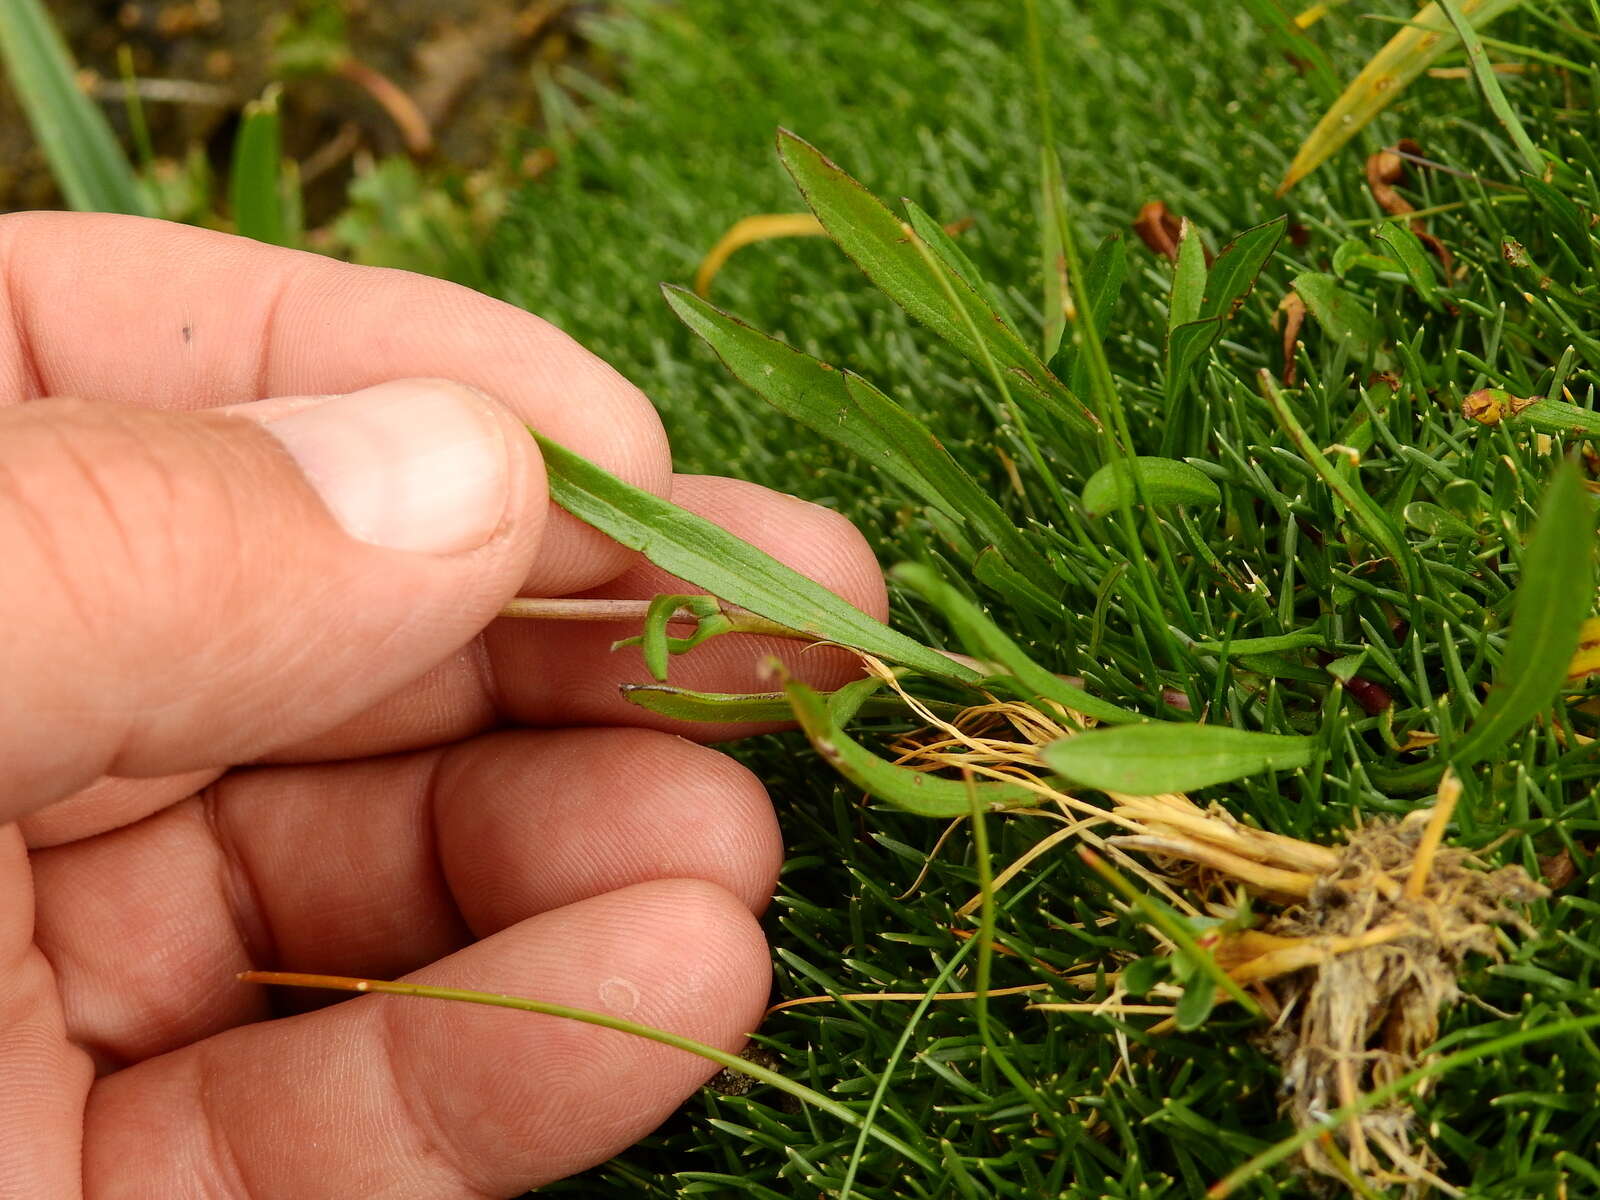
x=184, y=590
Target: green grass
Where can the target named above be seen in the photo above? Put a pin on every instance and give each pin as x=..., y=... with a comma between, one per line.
x=1413, y=562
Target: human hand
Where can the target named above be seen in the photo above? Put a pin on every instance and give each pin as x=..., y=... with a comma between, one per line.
x=309, y=584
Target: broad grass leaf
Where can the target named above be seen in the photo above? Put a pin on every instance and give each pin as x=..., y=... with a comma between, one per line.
x=815, y=394
x=1414, y=257
x=1555, y=593
x=710, y=557
x=1405, y=56
x=256, y=179
x=1053, y=255
x=1344, y=317
x=881, y=245
x=914, y=791
x=983, y=639
x=1103, y=279
x=1166, y=482
x=953, y=256
x=1157, y=757
x=93, y=173
x=1198, y=999
x=1188, y=278
x=849, y=411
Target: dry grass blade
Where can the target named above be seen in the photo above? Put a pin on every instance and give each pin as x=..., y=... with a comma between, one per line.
x=1405, y=56
x=748, y=231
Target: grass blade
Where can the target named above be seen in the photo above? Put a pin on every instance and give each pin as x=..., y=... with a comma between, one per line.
x=1165, y=481
x=985, y=640
x=747, y=231
x=256, y=180
x=710, y=557
x=683, y=704
x=606, y=1021
x=1405, y=56
x=1157, y=757
x=1554, y=594
x=954, y=257
x=1493, y=94
x=876, y=240
x=92, y=171
x=849, y=411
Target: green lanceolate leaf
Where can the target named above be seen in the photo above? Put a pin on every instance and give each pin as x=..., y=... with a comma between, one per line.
x=1555, y=592
x=983, y=639
x=849, y=411
x=1413, y=256
x=1053, y=255
x=881, y=245
x=708, y=556
x=815, y=394
x=1103, y=278
x=1149, y=759
x=90, y=168
x=915, y=791
x=953, y=256
x=1231, y=279
x=1188, y=279
x=256, y=180
x=1166, y=482
x=1344, y=317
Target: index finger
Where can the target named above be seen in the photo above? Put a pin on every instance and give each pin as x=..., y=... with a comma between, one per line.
x=128, y=310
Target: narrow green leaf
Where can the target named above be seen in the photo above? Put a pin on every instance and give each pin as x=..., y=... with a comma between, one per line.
x=92, y=171
x=1237, y=267
x=1231, y=279
x=815, y=394
x=1052, y=255
x=1483, y=72
x=1344, y=317
x=1435, y=521
x=1414, y=257
x=1188, y=278
x=1555, y=592
x=951, y=254
x=879, y=244
x=915, y=791
x=256, y=182
x=1187, y=348
x=851, y=412
x=709, y=557
x=684, y=704
x=1149, y=759
x=983, y=639
x=1104, y=276
x=1166, y=482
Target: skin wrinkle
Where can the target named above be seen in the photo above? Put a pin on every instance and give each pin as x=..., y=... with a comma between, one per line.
x=225, y=1154
x=428, y=1130
x=238, y=884
x=17, y=320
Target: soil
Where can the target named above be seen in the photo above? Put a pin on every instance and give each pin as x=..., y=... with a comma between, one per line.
x=469, y=66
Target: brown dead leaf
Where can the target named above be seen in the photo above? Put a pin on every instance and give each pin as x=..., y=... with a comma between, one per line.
x=1385, y=169
x=1294, y=316
x=1158, y=229
x=1557, y=870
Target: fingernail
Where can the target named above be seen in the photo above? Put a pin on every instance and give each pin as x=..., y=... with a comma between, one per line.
x=417, y=464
